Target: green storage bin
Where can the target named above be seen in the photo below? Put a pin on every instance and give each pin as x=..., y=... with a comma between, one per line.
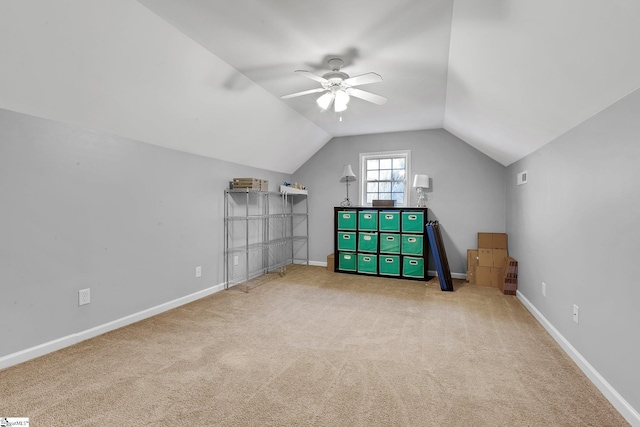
x=413, y=222
x=368, y=220
x=347, y=220
x=389, y=221
x=389, y=265
x=367, y=264
x=389, y=243
x=347, y=261
x=367, y=242
x=412, y=244
x=347, y=241
x=413, y=267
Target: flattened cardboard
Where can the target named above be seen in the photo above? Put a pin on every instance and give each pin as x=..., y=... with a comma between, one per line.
x=485, y=240
x=485, y=257
x=483, y=276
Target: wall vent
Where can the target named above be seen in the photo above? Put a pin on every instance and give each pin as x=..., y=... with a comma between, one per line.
x=522, y=178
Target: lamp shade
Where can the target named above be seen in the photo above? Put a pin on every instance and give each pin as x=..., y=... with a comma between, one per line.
x=421, y=181
x=347, y=174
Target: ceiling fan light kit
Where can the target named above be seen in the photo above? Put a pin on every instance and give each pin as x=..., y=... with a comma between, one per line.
x=339, y=87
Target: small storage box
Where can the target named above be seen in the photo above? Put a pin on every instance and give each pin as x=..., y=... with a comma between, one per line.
x=413, y=222
x=368, y=220
x=347, y=241
x=248, y=183
x=367, y=263
x=389, y=243
x=412, y=244
x=347, y=220
x=367, y=242
x=413, y=267
x=389, y=221
x=347, y=261
x=389, y=265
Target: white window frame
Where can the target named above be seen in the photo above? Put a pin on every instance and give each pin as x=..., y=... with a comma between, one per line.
x=384, y=155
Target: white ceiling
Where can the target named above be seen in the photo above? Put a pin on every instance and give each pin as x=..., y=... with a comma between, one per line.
x=206, y=76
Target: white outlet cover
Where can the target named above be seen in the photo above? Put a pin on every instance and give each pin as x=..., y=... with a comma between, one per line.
x=544, y=289
x=198, y=271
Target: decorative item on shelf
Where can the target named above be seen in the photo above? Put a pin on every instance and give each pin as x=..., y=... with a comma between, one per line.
x=347, y=177
x=421, y=183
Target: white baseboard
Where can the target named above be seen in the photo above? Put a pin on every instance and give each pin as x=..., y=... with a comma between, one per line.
x=57, y=344
x=453, y=275
x=625, y=409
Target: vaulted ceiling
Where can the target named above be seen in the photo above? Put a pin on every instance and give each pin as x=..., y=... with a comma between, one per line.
x=206, y=76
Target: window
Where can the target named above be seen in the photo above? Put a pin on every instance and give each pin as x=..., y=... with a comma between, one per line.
x=384, y=177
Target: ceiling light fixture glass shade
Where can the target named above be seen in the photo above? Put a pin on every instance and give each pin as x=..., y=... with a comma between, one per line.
x=342, y=99
x=325, y=100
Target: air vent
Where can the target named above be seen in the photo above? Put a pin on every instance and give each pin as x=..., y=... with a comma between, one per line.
x=522, y=178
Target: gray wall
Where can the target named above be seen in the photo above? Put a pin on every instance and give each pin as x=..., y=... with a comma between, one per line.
x=128, y=220
x=575, y=226
x=467, y=195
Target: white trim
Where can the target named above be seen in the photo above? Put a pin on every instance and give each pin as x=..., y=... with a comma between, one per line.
x=625, y=409
x=384, y=154
x=453, y=275
x=57, y=344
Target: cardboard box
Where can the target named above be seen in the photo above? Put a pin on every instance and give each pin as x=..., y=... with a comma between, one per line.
x=264, y=185
x=492, y=240
x=482, y=276
x=472, y=258
x=496, y=276
x=498, y=257
x=383, y=203
x=485, y=240
x=471, y=275
x=331, y=262
x=250, y=183
x=485, y=257
x=499, y=241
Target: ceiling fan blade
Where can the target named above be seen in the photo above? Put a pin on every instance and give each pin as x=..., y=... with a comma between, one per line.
x=312, y=76
x=367, y=96
x=306, y=92
x=363, y=79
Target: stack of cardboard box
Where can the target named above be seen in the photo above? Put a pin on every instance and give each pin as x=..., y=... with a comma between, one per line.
x=487, y=266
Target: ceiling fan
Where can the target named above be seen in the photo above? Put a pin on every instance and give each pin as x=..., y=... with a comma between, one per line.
x=339, y=87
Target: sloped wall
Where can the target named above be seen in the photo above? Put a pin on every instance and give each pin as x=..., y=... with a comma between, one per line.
x=574, y=225
x=83, y=209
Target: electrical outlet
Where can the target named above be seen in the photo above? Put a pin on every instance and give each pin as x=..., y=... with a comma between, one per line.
x=84, y=296
x=235, y=260
x=576, y=310
x=544, y=289
x=198, y=271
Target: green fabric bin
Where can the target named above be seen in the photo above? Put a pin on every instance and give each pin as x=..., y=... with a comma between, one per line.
x=412, y=244
x=347, y=220
x=413, y=222
x=347, y=261
x=413, y=267
x=368, y=221
x=367, y=263
x=347, y=241
x=389, y=221
x=389, y=265
x=367, y=242
x=389, y=243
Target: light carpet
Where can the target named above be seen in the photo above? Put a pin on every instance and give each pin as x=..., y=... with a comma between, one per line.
x=316, y=348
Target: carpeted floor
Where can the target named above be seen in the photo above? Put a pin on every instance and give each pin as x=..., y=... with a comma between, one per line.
x=315, y=348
